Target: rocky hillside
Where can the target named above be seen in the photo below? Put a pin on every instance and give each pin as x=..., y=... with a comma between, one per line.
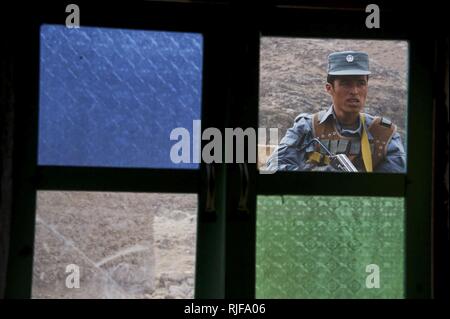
x=293, y=77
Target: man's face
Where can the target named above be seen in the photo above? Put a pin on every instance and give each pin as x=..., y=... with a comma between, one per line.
x=349, y=93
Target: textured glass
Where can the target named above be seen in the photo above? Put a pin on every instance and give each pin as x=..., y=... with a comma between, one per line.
x=330, y=247
x=114, y=245
x=111, y=97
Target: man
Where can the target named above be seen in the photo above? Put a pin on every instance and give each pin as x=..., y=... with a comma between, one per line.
x=371, y=143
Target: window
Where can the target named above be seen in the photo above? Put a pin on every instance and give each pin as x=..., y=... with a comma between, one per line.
x=111, y=97
x=320, y=246
x=303, y=216
x=98, y=105
x=293, y=77
x=330, y=247
x=114, y=245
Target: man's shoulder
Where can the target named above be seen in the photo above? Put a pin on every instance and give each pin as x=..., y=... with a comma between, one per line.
x=309, y=116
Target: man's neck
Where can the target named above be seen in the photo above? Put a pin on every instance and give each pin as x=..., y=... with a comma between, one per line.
x=347, y=119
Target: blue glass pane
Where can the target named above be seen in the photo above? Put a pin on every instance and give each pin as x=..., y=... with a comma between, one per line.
x=111, y=97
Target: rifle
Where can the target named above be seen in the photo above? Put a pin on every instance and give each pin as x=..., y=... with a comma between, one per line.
x=338, y=161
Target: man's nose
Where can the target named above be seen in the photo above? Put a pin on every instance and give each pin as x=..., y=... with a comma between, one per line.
x=354, y=88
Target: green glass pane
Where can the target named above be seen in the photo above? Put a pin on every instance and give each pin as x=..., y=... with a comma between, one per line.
x=330, y=247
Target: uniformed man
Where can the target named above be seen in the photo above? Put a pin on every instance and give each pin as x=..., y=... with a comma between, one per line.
x=371, y=143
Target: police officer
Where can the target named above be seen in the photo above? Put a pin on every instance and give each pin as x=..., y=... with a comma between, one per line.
x=371, y=143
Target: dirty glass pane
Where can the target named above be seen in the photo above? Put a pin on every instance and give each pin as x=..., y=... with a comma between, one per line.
x=114, y=245
x=330, y=247
x=111, y=97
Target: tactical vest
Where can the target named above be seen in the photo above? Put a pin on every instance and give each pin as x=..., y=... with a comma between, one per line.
x=381, y=129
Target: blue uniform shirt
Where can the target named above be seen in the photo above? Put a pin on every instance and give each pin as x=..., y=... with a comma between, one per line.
x=292, y=150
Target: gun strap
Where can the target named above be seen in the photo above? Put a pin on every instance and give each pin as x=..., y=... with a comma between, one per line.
x=365, y=147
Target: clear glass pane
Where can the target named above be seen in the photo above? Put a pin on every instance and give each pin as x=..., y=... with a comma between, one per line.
x=293, y=78
x=330, y=247
x=111, y=97
x=114, y=245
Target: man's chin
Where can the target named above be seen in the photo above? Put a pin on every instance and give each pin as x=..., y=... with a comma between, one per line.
x=354, y=107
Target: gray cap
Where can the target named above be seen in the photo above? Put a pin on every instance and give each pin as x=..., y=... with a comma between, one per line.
x=348, y=63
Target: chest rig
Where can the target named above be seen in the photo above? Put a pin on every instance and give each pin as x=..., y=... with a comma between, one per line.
x=381, y=130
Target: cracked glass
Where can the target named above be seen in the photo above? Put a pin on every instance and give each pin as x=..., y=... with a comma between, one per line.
x=104, y=245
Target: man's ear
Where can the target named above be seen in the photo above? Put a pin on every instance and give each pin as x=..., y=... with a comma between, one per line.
x=329, y=88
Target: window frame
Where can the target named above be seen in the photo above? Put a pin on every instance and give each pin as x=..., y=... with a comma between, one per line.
x=29, y=177
x=225, y=262
x=415, y=186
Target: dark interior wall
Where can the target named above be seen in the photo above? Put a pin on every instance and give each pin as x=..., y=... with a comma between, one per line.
x=446, y=88
x=444, y=202
x=6, y=149
x=441, y=185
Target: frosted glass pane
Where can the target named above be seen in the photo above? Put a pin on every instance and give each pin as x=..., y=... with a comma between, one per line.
x=111, y=97
x=329, y=247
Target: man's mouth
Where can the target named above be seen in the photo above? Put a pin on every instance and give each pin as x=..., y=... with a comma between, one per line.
x=353, y=100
